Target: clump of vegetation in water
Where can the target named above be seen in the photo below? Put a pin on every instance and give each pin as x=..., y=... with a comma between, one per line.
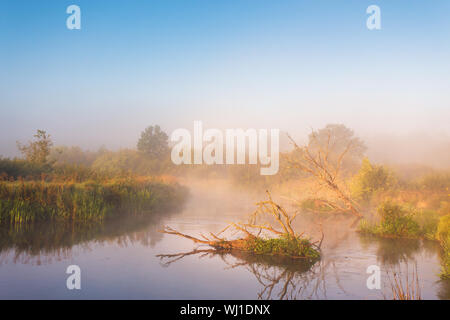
x=402, y=222
x=395, y=222
x=285, y=243
x=28, y=201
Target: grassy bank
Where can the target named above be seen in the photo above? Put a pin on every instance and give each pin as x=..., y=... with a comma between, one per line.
x=27, y=201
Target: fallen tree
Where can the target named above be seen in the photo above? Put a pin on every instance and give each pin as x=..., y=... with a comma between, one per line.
x=321, y=161
x=262, y=238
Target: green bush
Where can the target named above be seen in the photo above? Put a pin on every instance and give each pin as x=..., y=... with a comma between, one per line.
x=428, y=221
x=285, y=245
x=395, y=221
x=443, y=235
x=370, y=179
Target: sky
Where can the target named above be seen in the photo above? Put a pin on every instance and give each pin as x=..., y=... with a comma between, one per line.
x=291, y=65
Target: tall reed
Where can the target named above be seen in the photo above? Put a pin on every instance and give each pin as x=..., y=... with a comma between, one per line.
x=22, y=201
x=407, y=289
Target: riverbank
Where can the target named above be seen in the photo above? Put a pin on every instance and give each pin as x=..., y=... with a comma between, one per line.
x=28, y=201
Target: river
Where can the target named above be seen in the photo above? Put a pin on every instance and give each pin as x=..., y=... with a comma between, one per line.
x=121, y=260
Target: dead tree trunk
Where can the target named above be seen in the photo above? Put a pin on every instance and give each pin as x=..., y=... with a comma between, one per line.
x=251, y=229
x=319, y=164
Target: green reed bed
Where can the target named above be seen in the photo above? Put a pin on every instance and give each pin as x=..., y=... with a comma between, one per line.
x=286, y=245
x=41, y=201
x=395, y=222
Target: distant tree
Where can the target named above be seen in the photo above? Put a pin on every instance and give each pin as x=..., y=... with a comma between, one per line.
x=153, y=142
x=324, y=158
x=337, y=139
x=37, y=151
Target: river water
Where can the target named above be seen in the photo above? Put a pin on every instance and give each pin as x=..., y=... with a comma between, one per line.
x=121, y=260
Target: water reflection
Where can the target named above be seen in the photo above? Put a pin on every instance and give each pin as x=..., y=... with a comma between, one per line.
x=400, y=255
x=123, y=251
x=279, y=277
x=43, y=242
x=395, y=251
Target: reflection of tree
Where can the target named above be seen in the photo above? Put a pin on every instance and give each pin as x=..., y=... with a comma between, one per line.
x=397, y=254
x=279, y=277
x=444, y=290
x=393, y=251
x=40, y=241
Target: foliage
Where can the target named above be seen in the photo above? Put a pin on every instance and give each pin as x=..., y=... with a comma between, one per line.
x=443, y=235
x=40, y=201
x=428, y=221
x=286, y=245
x=404, y=222
x=15, y=168
x=435, y=181
x=395, y=222
x=38, y=150
x=153, y=142
x=370, y=179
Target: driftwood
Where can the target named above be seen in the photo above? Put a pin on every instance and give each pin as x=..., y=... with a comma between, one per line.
x=251, y=229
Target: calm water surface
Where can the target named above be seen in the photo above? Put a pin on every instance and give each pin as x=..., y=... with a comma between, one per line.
x=120, y=260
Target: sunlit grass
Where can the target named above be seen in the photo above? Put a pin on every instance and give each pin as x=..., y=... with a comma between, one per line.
x=39, y=201
x=284, y=245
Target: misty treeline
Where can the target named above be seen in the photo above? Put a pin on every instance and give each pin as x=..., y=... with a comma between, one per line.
x=330, y=173
x=152, y=157
x=332, y=167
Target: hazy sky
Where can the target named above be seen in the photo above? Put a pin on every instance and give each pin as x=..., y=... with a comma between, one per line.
x=282, y=64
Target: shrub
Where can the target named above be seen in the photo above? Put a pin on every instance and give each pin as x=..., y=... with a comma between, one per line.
x=15, y=168
x=395, y=221
x=428, y=221
x=370, y=179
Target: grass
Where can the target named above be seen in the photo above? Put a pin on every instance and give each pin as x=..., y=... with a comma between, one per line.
x=395, y=221
x=409, y=289
x=295, y=247
x=30, y=201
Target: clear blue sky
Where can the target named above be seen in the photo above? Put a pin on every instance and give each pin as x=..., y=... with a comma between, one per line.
x=231, y=63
